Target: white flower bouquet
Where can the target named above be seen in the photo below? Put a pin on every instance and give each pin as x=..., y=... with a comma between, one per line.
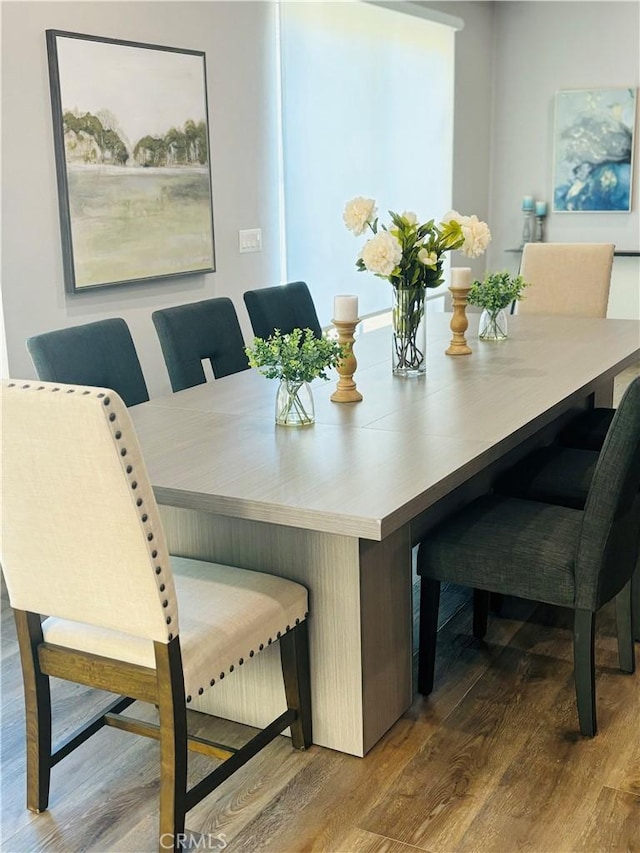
x=410, y=256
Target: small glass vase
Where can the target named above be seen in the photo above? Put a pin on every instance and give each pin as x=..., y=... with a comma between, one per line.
x=409, y=338
x=493, y=325
x=294, y=404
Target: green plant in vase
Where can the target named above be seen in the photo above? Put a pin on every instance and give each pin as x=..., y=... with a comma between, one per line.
x=295, y=359
x=494, y=295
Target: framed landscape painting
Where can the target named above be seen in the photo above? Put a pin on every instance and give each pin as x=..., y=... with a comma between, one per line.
x=132, y=160
x=593, y=150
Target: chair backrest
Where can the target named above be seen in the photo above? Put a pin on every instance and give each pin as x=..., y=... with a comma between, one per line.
x=100, y=354
x=190, y=333
x=608, y=546
x=81, y=533
x=566, y=278
x=285, y=307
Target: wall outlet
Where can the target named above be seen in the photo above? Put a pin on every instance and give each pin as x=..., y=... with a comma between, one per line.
x=250, y=240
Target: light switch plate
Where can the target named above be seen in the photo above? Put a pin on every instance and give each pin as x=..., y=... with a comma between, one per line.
x=250, y=240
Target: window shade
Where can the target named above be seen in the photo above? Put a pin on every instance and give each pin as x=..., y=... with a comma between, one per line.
x=367, y=109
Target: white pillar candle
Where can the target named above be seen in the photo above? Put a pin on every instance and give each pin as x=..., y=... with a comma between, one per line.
x=345, y=308
x=461, y=277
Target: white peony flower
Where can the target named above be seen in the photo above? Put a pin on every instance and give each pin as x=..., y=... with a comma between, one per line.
x=410, y=217
x=429, y=259
x=476, y=236
x=358, y=213
x=382, y=253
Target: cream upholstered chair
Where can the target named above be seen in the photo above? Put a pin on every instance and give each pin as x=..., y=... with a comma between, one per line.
x=83, y=545
x=566, y=278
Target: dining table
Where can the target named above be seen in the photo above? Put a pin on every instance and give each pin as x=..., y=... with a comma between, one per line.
x=340, y=505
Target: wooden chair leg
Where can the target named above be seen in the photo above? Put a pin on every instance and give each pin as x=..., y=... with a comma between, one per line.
x=37, y=699
x=428, y=633
x=481, y=600
x=294, y=657
x=584, y=670
x=626, y=651
x=172, y=714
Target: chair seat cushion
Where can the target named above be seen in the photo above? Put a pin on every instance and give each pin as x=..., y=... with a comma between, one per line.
x=508, y=545
x=226, y=616
x=587, y=430
x=557, y=475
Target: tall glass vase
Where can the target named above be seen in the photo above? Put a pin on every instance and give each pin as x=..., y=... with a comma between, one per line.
x=294, y=404
x=409, y=339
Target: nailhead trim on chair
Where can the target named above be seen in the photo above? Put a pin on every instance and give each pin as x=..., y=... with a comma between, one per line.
x=128, y=469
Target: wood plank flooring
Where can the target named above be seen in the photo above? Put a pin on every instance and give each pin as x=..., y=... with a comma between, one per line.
x=492, y=761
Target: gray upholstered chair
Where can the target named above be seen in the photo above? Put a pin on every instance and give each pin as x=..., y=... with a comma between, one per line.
x=196, y=331
x=88, y=552
x=576, y=558
x=101, y=354
x=566, y=278
x=562, y=475
x=285, y=307
x=588, y=430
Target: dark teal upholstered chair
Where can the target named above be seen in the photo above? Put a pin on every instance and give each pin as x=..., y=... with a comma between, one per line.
x=190, y=333
x=575, y=558
x=285, y=307
x=100, y=354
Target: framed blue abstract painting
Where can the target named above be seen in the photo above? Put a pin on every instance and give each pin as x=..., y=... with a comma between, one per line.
x=593, y=150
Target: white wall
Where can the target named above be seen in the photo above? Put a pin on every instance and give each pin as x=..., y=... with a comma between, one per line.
x=239, y=45
x=542, y=47
x=511, y=57
x=472, y=124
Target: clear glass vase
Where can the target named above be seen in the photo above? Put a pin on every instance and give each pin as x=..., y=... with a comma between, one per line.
x=294, y=404
x=493, y=325
x=409, y=338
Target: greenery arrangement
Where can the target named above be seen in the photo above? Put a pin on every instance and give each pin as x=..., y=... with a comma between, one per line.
x=297, y=357
x=497, y=291
x=294, y=359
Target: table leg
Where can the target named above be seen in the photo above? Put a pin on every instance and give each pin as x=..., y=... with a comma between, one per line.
x=359, y=624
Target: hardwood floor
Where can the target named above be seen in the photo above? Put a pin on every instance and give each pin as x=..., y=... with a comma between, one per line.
x=492, y=761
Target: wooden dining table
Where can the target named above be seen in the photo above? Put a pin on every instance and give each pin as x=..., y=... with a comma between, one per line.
x=339, y=505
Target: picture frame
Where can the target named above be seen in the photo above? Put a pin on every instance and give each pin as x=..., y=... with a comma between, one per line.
x=131, y=142
x=593, y=150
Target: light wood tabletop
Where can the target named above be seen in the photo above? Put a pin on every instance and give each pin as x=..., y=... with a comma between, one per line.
x=338, y=505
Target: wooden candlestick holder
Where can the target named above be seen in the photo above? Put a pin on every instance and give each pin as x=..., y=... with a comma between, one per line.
x=346, y=391
x=459, y=322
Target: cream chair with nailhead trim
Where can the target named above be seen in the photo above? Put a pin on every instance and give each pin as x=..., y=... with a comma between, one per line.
x=83, y=546
x=566, y=278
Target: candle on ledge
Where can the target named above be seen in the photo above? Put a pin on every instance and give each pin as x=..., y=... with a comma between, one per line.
x=345, y=309
x=541, y=208
x=527, y=202
x=461, y=277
